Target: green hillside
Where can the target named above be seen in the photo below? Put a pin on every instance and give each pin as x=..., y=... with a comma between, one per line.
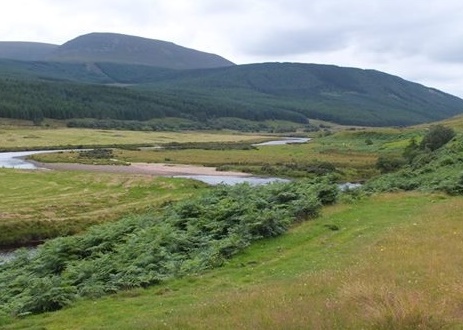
x=342, y=95
x=293, y=92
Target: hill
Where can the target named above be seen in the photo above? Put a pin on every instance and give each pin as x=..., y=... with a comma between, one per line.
x=294, y=92
x=342, y=95
x=119, y=48
x=107, y=76
x=26, y=51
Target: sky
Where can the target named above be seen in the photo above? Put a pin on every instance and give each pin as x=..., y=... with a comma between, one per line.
x=418, y=40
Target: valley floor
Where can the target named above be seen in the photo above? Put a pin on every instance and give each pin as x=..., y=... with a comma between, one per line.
x=157, y=169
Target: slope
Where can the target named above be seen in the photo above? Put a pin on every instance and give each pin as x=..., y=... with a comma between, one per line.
x=342, y=95
x=394, y=263
x=290, y=91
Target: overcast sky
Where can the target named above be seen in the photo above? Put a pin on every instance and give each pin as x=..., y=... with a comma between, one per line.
x=418, y=40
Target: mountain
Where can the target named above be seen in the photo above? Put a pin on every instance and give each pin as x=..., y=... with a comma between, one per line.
x=343, y=95
x=26, y=51
x=84, y=77
x=119, y=48
x=282, y=91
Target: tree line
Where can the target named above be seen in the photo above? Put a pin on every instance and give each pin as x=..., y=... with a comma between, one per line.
x=36, y=100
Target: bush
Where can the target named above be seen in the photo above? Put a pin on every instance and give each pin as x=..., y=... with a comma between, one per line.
x=185, y=238
x=387, y=164
x=437, y=136
x=97, y=153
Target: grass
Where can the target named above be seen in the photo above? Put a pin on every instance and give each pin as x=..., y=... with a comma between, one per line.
x=16, y=137
x=356, y=162
x=353, y=152
x=394, y=263
x=44, y=204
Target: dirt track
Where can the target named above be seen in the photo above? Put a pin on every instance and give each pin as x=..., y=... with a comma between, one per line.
x=143, y=168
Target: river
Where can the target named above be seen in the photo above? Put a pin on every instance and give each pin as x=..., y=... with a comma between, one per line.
x=289, y=140
x=16, y=159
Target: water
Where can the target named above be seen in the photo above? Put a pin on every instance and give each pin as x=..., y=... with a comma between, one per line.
x=17, y=159
x=349, y=186
x=282, y=142
x=231, y=180
x=9, y=254
x=6, y=255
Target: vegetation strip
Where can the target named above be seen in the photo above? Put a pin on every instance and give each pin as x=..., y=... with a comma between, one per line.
x=393, y=263
x=188, y=237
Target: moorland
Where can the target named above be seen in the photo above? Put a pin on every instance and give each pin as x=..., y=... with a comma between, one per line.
x=130, y=250
x=176, y=253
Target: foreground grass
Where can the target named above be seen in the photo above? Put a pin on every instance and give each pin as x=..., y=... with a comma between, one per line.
x=394, y=263
x=43, y=204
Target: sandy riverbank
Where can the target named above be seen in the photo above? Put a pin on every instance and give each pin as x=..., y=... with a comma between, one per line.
x=157, y=169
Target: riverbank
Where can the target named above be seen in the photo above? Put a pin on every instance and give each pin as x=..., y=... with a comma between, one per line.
x=158, y=169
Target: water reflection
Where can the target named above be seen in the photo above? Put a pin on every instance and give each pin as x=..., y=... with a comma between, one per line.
x=231, y=180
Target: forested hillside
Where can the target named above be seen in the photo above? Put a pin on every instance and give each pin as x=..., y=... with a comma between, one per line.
x=79, y=84
x=36, y=100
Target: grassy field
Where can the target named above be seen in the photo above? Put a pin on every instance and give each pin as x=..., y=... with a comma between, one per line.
x=43, y=204
x=388, y=261
x=394, y=263
x=16, y=137
x=353, y=154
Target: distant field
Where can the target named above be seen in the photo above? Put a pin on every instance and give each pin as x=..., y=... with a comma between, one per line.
x=32, y=137
x=42, y=204
x=352, y=153
x=394, y=263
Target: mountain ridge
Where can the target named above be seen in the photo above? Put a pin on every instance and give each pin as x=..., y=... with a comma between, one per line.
x=120, y=48
x=259, y=91
x=25, y=51
x=114, y=48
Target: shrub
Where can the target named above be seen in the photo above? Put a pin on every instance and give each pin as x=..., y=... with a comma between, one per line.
x=186, y=237
x=97, y=153
x=387, y=163
x=437, y=136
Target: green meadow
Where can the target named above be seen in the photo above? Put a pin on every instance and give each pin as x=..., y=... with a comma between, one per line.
x=37, y=205
x=386, y=256
x=393, y=263
x=19, y=137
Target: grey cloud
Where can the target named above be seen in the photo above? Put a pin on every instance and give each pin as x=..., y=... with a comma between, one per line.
x=288, y=42
x=397, y=28
x=389, y=35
